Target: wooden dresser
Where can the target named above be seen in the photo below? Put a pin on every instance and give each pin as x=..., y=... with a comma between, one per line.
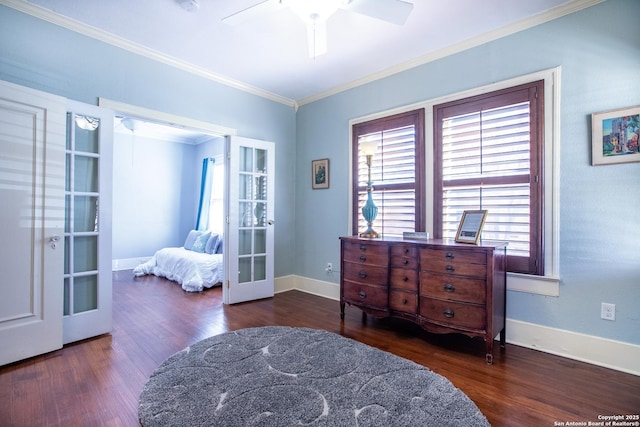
x=443, y=286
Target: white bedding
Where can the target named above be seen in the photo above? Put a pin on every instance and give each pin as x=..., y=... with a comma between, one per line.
x=193, y=270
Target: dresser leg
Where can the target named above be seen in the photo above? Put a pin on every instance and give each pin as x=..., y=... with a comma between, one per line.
x=341, y=311
x=503, y=338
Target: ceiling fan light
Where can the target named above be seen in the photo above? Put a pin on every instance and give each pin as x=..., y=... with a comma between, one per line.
x=191, y=6
x=314, y=10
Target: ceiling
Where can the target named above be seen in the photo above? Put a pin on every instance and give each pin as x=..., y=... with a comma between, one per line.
x=267, y=54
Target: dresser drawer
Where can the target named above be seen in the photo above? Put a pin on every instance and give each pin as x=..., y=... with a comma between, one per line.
x=365, y=273
x=428, y=256
x=365, y=253
x=401, y=278
x=453, y=287
x=406, y=302
x=454, y=314
x=361, y=294
x=404, y=256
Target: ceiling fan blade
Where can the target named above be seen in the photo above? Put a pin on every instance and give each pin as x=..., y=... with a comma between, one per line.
x=317, y=38
x=394, y=11
x=252, y=12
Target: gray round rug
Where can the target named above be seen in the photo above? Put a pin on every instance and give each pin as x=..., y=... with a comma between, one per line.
x=283, y=376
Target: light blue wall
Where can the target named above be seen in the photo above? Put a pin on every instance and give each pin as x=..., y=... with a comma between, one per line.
x=43, y=56
x=599, y=51
x=597, y=48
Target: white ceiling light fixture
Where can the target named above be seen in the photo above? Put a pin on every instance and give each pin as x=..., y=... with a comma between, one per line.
x=191, y=6
x=315, y=14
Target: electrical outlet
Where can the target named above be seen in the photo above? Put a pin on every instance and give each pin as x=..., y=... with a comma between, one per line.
x=329, y=268
x=608, y=311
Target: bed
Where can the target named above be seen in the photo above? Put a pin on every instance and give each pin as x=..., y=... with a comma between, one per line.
x=195, y=266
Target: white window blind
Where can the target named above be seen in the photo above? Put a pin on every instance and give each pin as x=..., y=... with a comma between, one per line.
x=486, y=165
x=395, y=172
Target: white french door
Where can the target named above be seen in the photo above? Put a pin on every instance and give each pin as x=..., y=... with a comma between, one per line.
x=87, y=228
x=32, y=173
x=249, y=229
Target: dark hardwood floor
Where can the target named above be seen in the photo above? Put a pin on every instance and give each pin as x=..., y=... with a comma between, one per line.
x=97, y=382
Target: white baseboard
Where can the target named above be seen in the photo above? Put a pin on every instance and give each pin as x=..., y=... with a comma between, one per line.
x=605, y=352
x=127, y=263
x=617, y=355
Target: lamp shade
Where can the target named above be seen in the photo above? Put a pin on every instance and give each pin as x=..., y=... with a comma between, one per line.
x=369, y=147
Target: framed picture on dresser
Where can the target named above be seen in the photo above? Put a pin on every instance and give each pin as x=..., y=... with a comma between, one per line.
x=470, y=227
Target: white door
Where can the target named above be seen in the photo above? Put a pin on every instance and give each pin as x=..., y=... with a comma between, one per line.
x=87, y=228
x=249, y=233
x=32, y=170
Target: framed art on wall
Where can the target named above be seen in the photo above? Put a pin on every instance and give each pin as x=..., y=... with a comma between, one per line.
x=470, y=226
x=614, y=136
x=320, y=174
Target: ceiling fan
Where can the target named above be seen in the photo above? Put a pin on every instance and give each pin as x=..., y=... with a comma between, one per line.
x=315, y=14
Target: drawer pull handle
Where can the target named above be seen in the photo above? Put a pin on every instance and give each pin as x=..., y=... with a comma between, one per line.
x=450, y=268
x=404, y=301
x=448, y=313
x=449, y=288
x=362, y=294
x=406, y=250
x=362, y=274
x=363, y=258
x=405, y=279
x=449, y=255
x=363, y=248
x=405, y=262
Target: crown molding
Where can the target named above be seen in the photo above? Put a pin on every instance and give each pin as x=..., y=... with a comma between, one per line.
x=89, y=31
x=103, y=36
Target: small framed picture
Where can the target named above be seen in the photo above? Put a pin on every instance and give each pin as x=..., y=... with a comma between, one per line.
x=470, y=226
x=320, y=174
x=614, y=136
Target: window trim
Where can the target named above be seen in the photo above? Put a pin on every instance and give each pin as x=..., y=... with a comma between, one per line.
x=389, y=121
x=532, y=91
x=549, y=284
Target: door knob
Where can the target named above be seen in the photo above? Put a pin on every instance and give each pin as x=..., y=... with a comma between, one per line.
x=54, y=241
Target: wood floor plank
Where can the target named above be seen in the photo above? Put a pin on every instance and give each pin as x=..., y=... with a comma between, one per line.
x=97, y=382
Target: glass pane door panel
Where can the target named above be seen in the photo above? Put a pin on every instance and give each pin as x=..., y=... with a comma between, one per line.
x=85, y=174
x=66, y=308
x=260, y=213
x=260, y=241
x=245, y=187
x=260, y=268
x=67, y=176
x=67, y=258
x=244, y=270
x=85, y=293
x=246, y=214
x=67, y=213
x=86, y=134
x=261, y=161
x=246, y=159
x=244, y=242
x=85, y=213
x=260, y=188
x=85, y=253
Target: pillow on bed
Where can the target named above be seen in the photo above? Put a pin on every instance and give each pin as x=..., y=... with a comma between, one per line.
x=191, y=238
x=212, y=243
x=201, y=243
x=219, y=246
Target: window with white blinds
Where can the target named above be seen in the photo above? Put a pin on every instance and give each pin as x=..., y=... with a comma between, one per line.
x=487, y=152
x=397, y=171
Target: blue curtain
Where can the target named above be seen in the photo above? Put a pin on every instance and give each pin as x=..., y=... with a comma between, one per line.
x=202, y=223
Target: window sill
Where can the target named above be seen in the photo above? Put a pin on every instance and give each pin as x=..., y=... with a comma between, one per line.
x=538, y=285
